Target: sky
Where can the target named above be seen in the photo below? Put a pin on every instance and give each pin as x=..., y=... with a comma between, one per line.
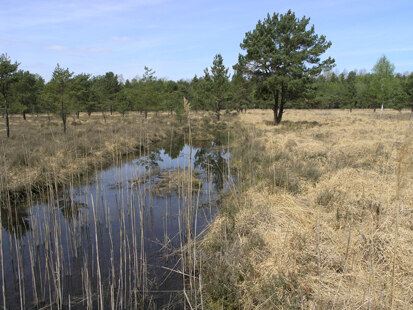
x=179, y=39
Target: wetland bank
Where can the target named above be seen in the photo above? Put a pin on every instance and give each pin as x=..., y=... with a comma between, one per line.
x=314, y=212
x=122, y=234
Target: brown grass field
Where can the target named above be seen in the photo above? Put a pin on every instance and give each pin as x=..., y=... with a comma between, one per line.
x=322, y=217
x=38, y=153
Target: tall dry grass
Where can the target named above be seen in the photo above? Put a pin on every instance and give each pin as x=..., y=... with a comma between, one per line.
x=41, y=158
x=39, y=153
x=321, y=217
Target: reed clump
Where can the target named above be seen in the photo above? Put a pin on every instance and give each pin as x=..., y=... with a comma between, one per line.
x=341, y=237
x=174, y=181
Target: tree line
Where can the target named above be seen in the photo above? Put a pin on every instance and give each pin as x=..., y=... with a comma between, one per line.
x=350, y=90
x=280, y=68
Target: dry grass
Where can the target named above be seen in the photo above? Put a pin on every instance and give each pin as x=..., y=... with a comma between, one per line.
x=175, y=181
x=38, y=153
x=322, y=216
x=326, y=218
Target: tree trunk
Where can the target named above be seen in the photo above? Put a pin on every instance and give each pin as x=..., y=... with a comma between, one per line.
x=78, y=114
x=6, y=108
x=24, y=115
x=64, y=122
x=63, y=116
x=283, y=101
x=411, y=114
x=276, y=94
x=279, y=107
x=146, y=114
x=104, y=116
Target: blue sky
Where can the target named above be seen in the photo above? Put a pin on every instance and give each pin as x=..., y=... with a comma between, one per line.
x=178, y=39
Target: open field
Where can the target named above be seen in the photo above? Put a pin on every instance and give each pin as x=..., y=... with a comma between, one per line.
x=322, y=216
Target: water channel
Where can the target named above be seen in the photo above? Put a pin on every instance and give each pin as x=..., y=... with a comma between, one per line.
x=115, y=240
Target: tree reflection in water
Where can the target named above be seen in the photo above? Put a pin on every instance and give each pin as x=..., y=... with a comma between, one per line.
x=15, y=220
x=70, y=208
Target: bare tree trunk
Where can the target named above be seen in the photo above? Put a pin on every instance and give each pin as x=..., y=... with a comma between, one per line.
x=283, y=101
x=278, y=107
x=218, y=110
x=63, y=115
x=276, y=94
x=6, y=107
x=24, y=115
x=64, y=122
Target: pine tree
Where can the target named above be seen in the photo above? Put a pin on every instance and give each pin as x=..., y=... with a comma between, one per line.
x=60, y=87
x=282, y=55
x=7, y=76
x=219, y=84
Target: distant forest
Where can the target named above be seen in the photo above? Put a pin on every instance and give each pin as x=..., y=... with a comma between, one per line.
x=215, y=91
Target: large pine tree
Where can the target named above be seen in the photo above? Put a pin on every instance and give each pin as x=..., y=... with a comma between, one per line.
x=282, y=53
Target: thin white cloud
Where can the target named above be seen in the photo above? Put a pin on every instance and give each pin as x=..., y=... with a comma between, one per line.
x=371, y=52
x=5, y=41
x=93, y=49
x=61, y=48
x=56, y=48
x=45, y=12
x=142, y=42
x=404, y=63
x=121, y=38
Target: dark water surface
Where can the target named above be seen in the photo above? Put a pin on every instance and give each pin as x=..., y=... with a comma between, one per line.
x=114, y=240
